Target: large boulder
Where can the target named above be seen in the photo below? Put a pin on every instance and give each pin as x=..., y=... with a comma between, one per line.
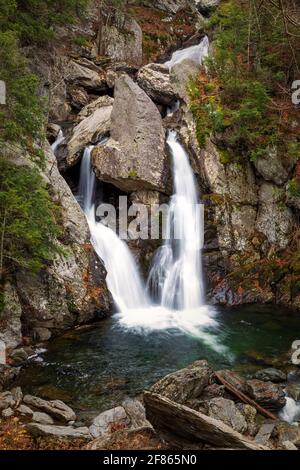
x=86, y=75
x=226, y=411
x=55, y=408
x=270, y=396
x=185, y=384
x=95, y=123
x=134, y=157
x=42, y=430
x=10, y=318
x=271, y=375
x=109, y=420
x=154, y=79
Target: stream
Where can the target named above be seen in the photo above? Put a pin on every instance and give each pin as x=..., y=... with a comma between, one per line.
x=94, y=370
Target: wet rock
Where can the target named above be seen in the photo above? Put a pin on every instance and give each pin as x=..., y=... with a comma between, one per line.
x=38, y=430
x=10, y=329
x=134, y=157
x=236, y=381
x=88, y=131
x=19, y=357
x=42, y=418
x=185, y=384
x=271, y=375
x=52, y=132
x=270, y=396
x=25, y=410
x=108, y=421
x=55, y=408
x=41, y=334
x=293, y=390
x=181, y=74
x=286, y=432
x=226, y=411
x=154, y=79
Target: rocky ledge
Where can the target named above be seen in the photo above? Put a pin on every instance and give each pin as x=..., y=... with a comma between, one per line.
x=193, y=408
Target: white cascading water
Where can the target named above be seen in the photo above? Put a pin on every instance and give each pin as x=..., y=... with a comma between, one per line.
x=123, y=279
x=59, y=140
x=193, y=53
x=176, y=274
x=176, y=271
x=291, y=411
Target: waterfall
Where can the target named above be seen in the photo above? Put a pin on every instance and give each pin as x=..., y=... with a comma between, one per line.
x=123, y=279
x=176, y=273
x=193, y=53
x=291, y=411
x=59, y=140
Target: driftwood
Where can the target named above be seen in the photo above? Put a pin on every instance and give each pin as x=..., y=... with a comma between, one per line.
x=245, y=399
x=186, y=425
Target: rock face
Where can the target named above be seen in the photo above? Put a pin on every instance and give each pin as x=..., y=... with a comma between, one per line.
x=274, y=219
x=186, y=384
x=91, y=128
x=72, y=288
x=154, y=79
x=10, y=321
x=122, y=40
x=134, y=157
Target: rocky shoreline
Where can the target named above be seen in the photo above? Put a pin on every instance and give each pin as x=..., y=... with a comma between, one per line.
x=193, y=408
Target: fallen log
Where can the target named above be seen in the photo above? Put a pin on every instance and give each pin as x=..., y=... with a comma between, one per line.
x=244, y=398
x=179, y=423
